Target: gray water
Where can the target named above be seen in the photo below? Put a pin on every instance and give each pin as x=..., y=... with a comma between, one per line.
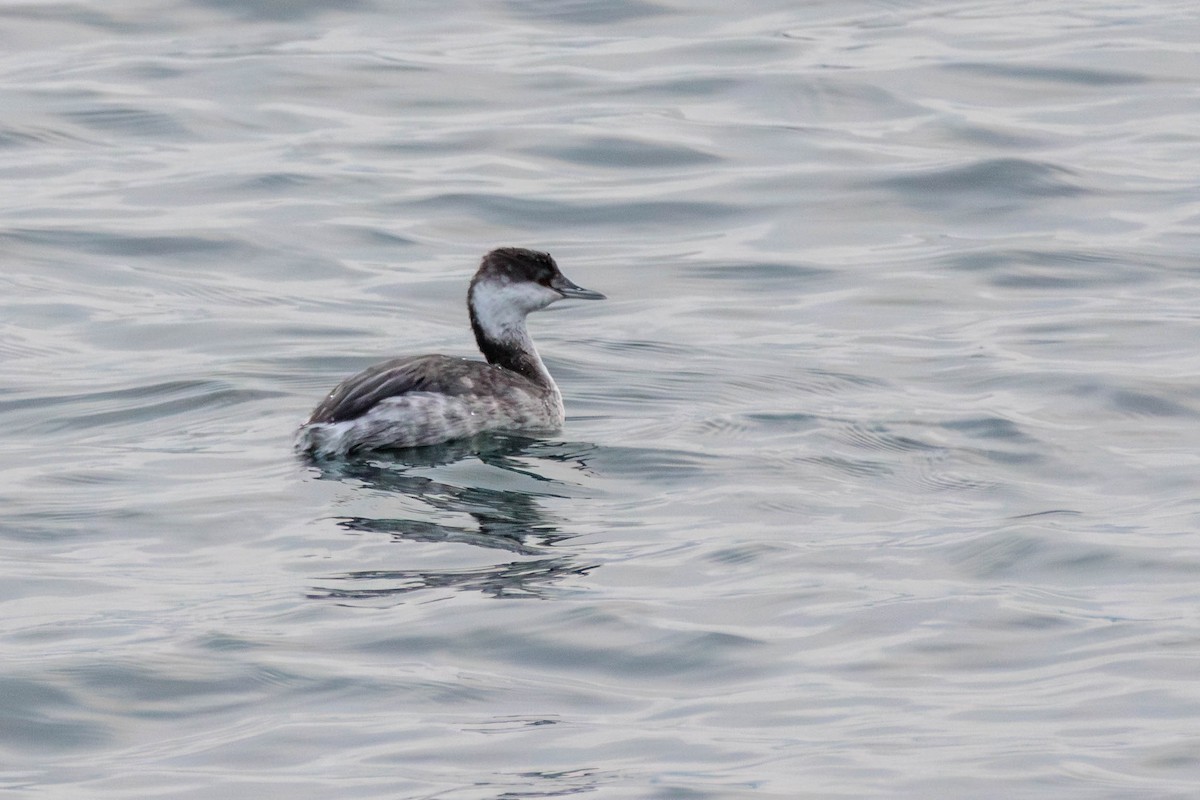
x=880, y=473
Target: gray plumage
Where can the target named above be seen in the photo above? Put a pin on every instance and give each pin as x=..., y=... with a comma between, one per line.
x=422, y=400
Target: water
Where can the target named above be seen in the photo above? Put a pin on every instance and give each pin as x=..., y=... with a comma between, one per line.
x=880, y=473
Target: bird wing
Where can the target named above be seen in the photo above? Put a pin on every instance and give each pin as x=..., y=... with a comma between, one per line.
x=433, y=373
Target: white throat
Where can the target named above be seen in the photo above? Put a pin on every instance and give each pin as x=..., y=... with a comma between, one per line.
x=501, y=308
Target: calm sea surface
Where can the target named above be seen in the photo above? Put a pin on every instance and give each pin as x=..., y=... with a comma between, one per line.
x=881, y=476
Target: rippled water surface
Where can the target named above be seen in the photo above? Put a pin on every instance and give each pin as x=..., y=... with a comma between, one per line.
x=880, y=473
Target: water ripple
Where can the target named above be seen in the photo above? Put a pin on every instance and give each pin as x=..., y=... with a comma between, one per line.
x=879, y=466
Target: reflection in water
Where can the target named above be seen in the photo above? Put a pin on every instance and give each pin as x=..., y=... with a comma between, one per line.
x=502, y=519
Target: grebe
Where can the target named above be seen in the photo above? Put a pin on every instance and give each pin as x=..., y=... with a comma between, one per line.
x=422, y=400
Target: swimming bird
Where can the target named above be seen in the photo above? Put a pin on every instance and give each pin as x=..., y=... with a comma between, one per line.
x=429, y=399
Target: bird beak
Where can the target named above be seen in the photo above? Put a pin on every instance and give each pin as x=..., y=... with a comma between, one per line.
x=572, y=292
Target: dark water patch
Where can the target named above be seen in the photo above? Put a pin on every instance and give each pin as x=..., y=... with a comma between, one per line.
x=671, y=654
x=1148, y=405
x=159, y=70
x=224, y=295
x=373, y=235
x=488, y=533
x=128, y=121
x=977, y=133
x=62, y=520
x=1034, y=270
x=711, y=390
x=37, y=717
x=1027, y=457
x=132, y=406
x=754, y=274
x=662, y=465
x=114, y=396
x=14, y=347
x=592, y=646
x=420, y=144
x=841, y=103
x=846, y=466
x=511, y=723
x=584, y=12
x=535, y=214
x=386, y=62
x=73, y=13
x=769, y=422
x=745, y=554
x=117, y=244
x=26, y=136
x=781, y=383
x=878, y=437
x=989, y=183
x=1052, y=268
x=988, y=428
x=675, y=87
x=149, y=691
x=88, y=477
x=941, y=474
x=1134, y=403
x=825, y=381
x=1078, y=76
x=627, y=153
x=229, y=643
x=1062, y=551
x=935, y=465
x=275, y=182
x=283, y=10
x=1050, y=513
x=643, y=346
x=659, y=387
x=513, y=580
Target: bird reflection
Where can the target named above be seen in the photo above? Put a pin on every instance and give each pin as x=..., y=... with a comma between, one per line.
x=506, y=520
